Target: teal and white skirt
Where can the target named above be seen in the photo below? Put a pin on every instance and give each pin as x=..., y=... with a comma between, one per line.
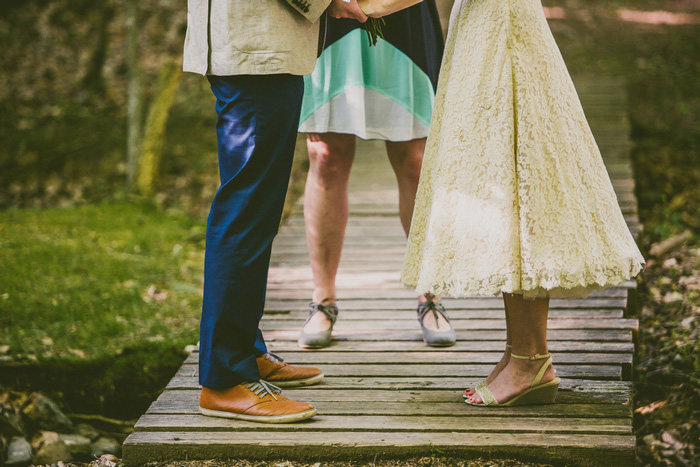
x=383, y=92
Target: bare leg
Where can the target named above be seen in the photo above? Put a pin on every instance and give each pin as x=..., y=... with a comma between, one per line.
x=406, y=158
x=528, y=330
x=326, y=214
x=506, y=353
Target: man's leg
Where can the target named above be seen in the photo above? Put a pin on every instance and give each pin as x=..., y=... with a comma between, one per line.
x=256, y=130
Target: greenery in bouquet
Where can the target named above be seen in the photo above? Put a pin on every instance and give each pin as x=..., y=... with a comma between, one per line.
x=373, y=27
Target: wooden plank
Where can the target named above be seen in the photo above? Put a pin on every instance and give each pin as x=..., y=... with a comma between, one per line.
x=466, y=423
x=401, y=293
x=569, y=405
x=414, y=382
x=461, y=346
x=481, y=303
x=434, y=409
x=434, y=358
x=570, y=392
x=270, y=323
x=455, y=314
x=567, y=335
x=592, y=371
x=584, y=450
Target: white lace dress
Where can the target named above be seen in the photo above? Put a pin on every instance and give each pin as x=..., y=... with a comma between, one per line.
x=514, y=195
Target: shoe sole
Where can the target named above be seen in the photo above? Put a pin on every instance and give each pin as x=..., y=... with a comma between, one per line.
x=446, y=344
x=297, y=382
x=290, y=418
x=314, y=347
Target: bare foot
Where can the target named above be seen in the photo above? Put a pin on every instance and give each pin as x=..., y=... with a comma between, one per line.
x=429, y=320
x=495, y=372
x=516, y=377
x=319, y=322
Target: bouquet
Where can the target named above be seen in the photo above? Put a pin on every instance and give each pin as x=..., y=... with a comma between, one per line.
x=373, y=28
x=375, y=9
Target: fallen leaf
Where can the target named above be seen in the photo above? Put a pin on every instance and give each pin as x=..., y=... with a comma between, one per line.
x=651, y=407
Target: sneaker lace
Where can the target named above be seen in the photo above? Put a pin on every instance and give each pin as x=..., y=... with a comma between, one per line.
x=262, y=388
x=276, y=359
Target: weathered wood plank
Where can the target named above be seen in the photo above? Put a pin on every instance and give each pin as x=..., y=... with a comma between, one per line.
x=596, y=335
x=570, y=392
x=342, y=326
x=584, y=450
x=483, y=303
x=455, y=314
x=413, y=382
x=467, y=423
x=434, y=409
x=569, y=405
x=460, y=346
x=594, y=371
x=299, y=293
x=435, y=357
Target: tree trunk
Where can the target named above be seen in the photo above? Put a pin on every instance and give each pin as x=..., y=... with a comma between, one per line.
x=94, y=80
x=135, y=94
x=153, y=138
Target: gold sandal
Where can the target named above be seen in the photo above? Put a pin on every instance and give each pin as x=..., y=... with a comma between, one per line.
x=465, y=395
x=537, y=393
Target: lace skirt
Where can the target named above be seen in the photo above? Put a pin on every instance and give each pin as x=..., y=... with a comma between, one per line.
x=514, y=195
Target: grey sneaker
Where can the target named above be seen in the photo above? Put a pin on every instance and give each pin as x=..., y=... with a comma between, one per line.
x=436, y=338
x=320, y=339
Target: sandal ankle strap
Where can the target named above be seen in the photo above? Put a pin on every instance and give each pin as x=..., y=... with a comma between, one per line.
x=543, y=368
x=537, y=356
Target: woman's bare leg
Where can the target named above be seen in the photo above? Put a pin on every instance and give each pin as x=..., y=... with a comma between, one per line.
x=506, y=353
x=326, y=214
x=528, y=333
x=406, y=158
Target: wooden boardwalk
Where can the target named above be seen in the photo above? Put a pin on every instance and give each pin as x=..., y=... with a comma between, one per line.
x=386, y=394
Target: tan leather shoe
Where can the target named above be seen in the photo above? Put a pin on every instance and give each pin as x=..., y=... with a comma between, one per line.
x=274, y=370
x=258, y=401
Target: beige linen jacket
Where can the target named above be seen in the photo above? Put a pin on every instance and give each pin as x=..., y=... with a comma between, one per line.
x=252, y=37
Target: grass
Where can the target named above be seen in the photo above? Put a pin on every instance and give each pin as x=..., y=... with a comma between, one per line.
x=87, y=281
x=97, y=302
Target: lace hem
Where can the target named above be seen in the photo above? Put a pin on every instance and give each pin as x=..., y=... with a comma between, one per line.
x=493, y=286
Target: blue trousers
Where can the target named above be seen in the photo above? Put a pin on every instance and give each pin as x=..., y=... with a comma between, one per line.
x=258, y=117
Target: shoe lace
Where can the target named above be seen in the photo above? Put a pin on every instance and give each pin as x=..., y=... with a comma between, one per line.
x=276, y=359
x=262, y=388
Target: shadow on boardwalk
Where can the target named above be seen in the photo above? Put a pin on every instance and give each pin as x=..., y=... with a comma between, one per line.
x=386, y=394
